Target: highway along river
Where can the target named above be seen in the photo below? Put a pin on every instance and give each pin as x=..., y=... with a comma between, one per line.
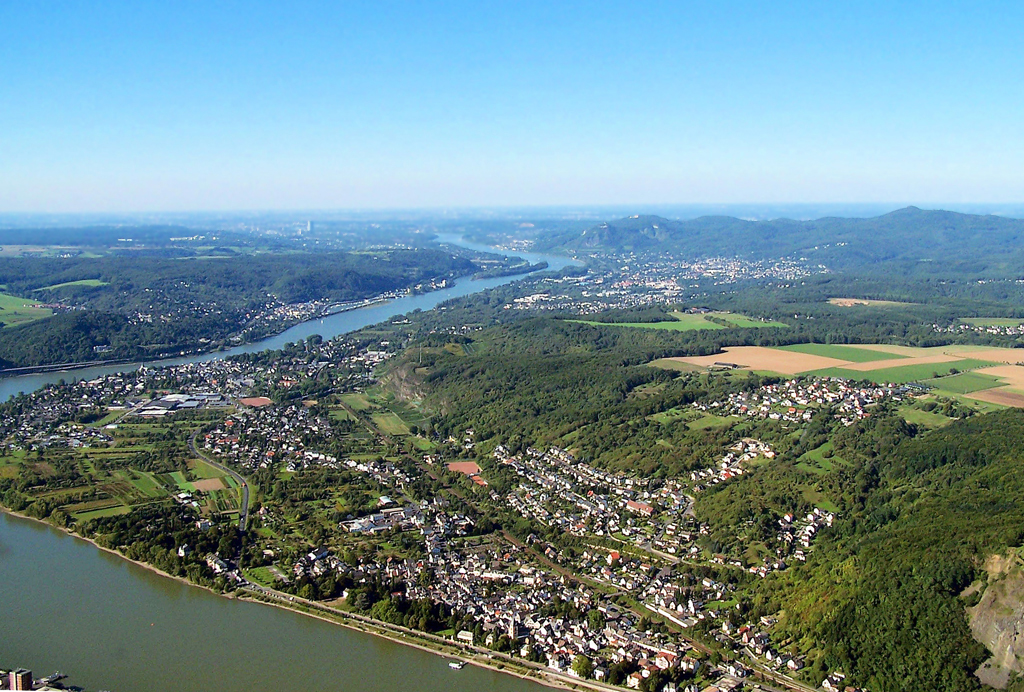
x=112, y=625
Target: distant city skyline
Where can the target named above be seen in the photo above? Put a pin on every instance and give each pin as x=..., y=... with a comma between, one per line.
x=121, y=107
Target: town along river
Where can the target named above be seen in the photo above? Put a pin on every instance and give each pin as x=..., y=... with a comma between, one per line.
x=110, y=624
x=327, y=327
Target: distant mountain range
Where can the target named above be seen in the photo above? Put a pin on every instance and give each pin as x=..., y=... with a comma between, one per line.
x=915, y=240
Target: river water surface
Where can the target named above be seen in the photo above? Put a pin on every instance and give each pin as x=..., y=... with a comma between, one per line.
x=327, y=327
x=110, y=624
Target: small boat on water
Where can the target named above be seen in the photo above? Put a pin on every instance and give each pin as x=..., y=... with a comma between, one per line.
x=456, y=665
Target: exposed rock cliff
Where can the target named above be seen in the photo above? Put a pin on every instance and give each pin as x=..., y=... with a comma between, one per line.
x=997, y=621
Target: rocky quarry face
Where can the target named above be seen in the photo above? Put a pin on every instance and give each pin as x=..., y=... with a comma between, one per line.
x=997, y=621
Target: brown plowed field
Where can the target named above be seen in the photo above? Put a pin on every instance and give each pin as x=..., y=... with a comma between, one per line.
x=209, y=485
x=899, y=362
x=996, y=355
x=760, y=358
x=1013, y=374
x=1001, y=396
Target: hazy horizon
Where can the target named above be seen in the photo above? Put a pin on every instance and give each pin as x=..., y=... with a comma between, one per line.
x=797, y=211
x=116, y=107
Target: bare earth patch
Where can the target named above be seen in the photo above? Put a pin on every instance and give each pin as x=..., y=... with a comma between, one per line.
x=851, y=302
x=255, y=401
x=761, y=358
x=900, y=362
x=208, y=485
x=467, y=467
x=911, y=351
x=1013, y=375
x=1000, y=395
x=996, y=355
x=997, y=621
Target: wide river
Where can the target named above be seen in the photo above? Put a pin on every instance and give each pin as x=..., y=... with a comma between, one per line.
x=112, y=625
x=327, y=327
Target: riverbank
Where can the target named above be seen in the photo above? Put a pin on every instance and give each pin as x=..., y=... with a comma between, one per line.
x=433, y=644
x=199, y=351
x=328, y=327
x=423, y=641
x=110, y=551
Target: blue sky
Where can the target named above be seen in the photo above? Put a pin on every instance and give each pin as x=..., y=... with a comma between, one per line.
x=133, y=106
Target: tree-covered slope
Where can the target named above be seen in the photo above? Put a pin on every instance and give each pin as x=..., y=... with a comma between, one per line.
x=143, y=306
x=919, y=511
x=914, y=239
x=919, y=514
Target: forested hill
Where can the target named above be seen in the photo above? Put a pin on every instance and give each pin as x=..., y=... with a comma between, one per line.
x=919, y=511
x=932, y=241
x=133, y=307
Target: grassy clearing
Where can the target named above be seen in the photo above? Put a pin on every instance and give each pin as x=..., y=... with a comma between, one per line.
x=993, y=321
x=904, y=373
x=925, y=419
x=390, y=423
x=14, y=310
x=746, y=322
x=146, y=484
x=689, y=324
x=686, y=322
x=669, y=415
x=818, y=499
x=178, y=478
x=454, y=349
x=646, y=390
x=88, y=283
x=721, y=605
x=841, y=352
x=107, y=419
x=340, y=414
x=261, y=575
x=678, y=365
x=10, y=463
x=204, y=470
x=709, y=421
x=96, y=513
x=357, y=402
x=965, y=382
x=819, y=461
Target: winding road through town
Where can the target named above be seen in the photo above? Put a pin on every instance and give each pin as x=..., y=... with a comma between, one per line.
x=243, y=509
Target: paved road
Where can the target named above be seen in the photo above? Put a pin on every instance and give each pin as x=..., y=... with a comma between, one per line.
x=473, y=654
x=243, y=511
x=776, y=677
x=785, y=681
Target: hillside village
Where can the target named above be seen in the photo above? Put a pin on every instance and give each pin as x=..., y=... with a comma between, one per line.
x=601, y=603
